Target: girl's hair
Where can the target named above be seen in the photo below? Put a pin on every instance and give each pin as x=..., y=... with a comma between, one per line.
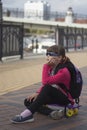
x=57, y=49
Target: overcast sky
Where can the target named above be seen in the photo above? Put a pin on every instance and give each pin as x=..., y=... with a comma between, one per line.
x=78, y=6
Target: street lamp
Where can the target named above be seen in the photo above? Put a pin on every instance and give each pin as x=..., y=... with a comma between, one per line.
x=0, y=11
x=0, y=30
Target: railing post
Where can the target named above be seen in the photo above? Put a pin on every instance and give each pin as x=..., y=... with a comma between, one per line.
x=0, y=30
x=59, y=32
x=57, y=35
x=21, y=44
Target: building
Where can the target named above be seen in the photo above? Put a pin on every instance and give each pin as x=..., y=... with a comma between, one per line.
x=39, y=10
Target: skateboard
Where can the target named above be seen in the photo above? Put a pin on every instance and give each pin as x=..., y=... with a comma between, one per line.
x=72, y=110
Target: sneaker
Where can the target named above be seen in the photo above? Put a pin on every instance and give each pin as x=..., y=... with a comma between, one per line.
x=57, y=114
x=20, y=119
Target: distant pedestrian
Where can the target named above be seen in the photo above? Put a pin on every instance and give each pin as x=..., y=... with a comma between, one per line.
x=32, y=44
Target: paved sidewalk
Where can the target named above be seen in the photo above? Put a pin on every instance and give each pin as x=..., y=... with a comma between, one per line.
x=21, y=73
x=11, y=102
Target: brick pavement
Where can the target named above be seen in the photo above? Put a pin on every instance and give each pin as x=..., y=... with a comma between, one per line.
x=21, y=73
x=17, y=74
x=11, y=103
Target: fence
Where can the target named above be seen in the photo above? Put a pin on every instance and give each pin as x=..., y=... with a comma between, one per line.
x=11, y=38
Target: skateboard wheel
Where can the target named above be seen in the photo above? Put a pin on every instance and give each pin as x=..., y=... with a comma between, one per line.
x=76, y=111
x=70, y=113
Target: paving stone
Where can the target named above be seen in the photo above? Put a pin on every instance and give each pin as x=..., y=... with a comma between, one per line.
x=11, y=104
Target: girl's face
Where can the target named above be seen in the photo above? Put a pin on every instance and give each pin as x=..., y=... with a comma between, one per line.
x=53, y=60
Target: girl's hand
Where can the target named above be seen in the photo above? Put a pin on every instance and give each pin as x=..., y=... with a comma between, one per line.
x=53, y=61
x=32, y=97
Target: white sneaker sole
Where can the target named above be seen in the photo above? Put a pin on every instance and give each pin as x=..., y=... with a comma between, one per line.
x=56, y=115
x=30, y=120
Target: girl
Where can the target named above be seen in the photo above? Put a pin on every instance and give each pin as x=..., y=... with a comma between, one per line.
x=51, y=91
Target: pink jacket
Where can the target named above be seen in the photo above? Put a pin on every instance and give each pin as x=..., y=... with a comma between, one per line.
x=62, y=76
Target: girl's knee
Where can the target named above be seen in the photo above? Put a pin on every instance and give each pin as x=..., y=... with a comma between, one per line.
x=25, y=102
x=47, y=87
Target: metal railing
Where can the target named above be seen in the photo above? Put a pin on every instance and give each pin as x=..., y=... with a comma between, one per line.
x=54, y=15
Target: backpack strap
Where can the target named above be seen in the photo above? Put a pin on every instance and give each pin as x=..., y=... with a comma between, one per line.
x=70, y=67
x=65, y=91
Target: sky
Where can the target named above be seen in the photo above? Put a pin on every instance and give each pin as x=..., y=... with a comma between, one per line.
x=78, y=6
